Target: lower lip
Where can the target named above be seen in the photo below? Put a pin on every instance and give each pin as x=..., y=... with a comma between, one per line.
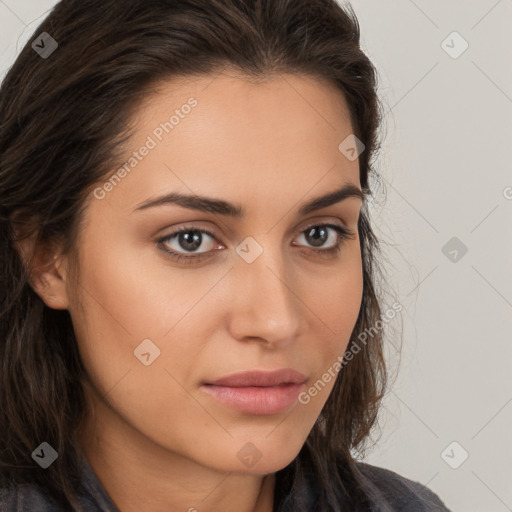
x=256, y=400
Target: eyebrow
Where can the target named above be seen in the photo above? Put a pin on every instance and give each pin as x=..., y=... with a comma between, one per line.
x=221, y=207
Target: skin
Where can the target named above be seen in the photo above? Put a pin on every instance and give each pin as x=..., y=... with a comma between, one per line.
x=155, y=440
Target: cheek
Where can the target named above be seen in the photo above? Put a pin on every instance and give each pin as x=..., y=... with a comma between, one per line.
x=131, y=296
x=333, y=304
x=335, y=298
x=338, y=312
x=123, y=304
x=137, y=294
x=347, y=288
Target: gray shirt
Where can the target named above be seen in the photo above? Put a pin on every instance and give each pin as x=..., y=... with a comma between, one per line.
x=391, y=491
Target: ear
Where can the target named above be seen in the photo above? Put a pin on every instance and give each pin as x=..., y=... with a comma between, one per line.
x=48, y=270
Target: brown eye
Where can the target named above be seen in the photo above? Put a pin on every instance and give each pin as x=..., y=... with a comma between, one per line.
x=318, y=234
x=184, y=243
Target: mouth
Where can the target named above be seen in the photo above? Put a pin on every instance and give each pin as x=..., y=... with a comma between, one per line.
x=258, y=392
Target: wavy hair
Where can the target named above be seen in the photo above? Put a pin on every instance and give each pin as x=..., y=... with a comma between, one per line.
x=62, y=130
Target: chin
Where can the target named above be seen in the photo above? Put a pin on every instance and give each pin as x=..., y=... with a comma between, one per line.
x=258, y=455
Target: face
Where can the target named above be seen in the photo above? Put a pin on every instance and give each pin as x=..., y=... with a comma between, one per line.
x=262, y=285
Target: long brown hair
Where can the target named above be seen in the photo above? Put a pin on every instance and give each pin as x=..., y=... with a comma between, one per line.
x=62, y=126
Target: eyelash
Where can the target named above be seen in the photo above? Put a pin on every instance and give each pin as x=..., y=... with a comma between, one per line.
x=342, y=235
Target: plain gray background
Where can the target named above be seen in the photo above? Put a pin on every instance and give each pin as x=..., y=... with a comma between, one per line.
x=445, y=166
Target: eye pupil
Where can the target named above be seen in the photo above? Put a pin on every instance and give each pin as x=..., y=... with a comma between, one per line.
x=318, y=235
x=190, y=240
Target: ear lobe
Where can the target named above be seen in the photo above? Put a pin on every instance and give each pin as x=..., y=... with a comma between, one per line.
x=47, y=271
x=49, y=282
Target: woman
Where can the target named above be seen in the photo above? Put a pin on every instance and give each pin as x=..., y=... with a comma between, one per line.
x=189, y=274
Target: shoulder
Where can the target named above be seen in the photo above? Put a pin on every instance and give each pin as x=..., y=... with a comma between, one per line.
x=90, y=496
x=29, y=498
x=24, y=498
x=396, y=492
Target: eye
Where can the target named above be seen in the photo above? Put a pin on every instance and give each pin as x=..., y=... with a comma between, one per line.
x=318, y=234
x=187, y=240
x=184, y=244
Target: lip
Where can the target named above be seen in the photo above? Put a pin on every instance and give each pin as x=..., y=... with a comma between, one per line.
x=258, y=392
x=261, y=378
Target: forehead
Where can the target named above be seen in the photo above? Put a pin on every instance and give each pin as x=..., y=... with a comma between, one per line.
x=235, y=97
x=228, y=135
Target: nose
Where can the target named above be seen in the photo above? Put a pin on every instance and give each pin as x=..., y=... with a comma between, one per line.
x=266, y=306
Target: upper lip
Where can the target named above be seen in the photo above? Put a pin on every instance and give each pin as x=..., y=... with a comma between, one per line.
x=260, y=378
